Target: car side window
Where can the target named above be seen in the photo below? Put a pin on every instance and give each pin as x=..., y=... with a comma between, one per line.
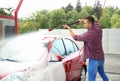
x=58, y=47
x=70, y=46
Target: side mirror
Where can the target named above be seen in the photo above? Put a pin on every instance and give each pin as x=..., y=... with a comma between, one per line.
x=59, y=57
x=55, y=58
x=50, y=29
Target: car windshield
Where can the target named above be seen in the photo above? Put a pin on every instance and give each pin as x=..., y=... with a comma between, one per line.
x=24, y=48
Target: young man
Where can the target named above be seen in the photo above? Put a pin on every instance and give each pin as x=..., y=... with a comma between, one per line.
x=92, y=47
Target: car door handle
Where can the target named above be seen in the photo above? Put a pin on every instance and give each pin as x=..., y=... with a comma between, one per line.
x=68, y=64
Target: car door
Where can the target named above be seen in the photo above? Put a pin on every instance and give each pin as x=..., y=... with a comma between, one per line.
x=57, y=50
x=72, y=60
x=56, y=68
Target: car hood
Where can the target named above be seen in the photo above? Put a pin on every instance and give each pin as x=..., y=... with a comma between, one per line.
x=7, y=67
x=35, y=72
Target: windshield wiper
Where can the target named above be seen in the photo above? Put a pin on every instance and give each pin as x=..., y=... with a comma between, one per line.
x=2, y=59
x=12, y=60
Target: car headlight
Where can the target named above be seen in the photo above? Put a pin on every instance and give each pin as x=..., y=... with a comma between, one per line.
x=12, y=77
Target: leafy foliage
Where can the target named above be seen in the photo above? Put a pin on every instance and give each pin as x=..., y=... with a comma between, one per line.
x=115, y=20
x=27, y=26
x=68, y=8
x=108, y=18
x=78, y=6
x=97, y=9
x=6, y=11
x=105, y=19
x=57, y=18
x=41, y=17
x=84, y=13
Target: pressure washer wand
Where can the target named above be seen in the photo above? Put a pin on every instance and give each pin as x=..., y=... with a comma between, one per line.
x=72, y=23
x=69, y=24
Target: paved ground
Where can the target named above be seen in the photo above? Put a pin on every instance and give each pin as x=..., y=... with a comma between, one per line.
x=112, y=67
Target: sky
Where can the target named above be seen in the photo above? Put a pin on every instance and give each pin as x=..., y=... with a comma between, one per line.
x=30, y=6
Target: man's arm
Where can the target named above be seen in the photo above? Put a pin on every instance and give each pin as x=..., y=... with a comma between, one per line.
x=70, y=30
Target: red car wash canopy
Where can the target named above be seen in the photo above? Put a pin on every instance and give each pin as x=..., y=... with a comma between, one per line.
x=9, y=24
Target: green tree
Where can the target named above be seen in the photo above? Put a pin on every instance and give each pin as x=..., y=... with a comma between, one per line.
x=83, y=13
x=118, y=11
x=41, y=17
x=117, y=25
x=68, y=8
x=78, y=6
x=9, y=11
x=111, y=9
x=89, y=9
x=27, y=25
x=97, y=9
x=105, y=19
x=115, y=21
x=6, y=11
x=57, y=18
x=2, y=12
x=72, y=16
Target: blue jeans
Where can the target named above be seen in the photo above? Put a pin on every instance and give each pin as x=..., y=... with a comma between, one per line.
x=95, y=66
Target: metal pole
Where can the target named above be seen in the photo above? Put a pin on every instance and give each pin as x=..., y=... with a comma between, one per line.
x=16, y=16
x=102, y=9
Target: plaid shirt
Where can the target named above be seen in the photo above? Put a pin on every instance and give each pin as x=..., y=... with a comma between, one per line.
x=92, y=43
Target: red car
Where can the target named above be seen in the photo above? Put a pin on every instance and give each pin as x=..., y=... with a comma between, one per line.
x=41, y=58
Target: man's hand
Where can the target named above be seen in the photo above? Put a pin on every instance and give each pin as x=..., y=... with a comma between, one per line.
x=81, y=21
x=66, y=26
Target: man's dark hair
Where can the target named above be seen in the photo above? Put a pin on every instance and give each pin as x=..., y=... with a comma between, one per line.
x=90, y=19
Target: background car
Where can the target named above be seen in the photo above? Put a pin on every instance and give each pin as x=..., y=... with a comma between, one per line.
x=35, y=57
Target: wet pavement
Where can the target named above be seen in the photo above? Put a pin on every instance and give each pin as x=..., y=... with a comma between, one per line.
x=112, y=67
